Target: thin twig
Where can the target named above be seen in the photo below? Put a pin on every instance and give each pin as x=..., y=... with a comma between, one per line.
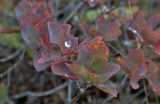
x=10, y=57
x=121, y=53
x=9, y=31
x=40, y=94
x=119, y=88
x=73, y=12
x=69, y=99
x=81, y=92
x=145, y=99
x=146, y=93
x=135, y=95
x=13, y=66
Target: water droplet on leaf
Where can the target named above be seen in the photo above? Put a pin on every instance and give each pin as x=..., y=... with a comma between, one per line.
x=82, y=90
x=91, y=0
x=66, y=75
x=67, y=44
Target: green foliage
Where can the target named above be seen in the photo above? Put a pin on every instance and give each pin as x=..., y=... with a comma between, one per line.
x=14, y=41
x=3, y=92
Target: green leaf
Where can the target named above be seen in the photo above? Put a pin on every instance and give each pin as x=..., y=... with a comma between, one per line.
x=3, y=94
x=14, y=40
x=91, y=15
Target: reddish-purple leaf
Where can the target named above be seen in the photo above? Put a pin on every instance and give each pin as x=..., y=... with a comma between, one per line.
x=89, y=32
x=139, y=23
x=43, y=28
x=29, y=19
x=153, y=21
x=137, y=69
x=38, y=65
x=110, y=29
x=157, y=48
x=111, y=69
x=31, y=36
x=111, y=89
x=60, y=35
x=60, y=68
x=78, y=70
x=153, y=76
x=55, y=31
x=94, y=49
x=23, y=8
x=104, y=70
x=46, y=57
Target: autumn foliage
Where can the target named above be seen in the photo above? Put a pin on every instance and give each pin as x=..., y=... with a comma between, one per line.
x=88, y=60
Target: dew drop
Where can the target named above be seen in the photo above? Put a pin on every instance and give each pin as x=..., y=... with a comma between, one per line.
x=133, y=30
x=82, y=90
x=66, y=75
x=67, y=44
x=101, y=85
x=91, y=0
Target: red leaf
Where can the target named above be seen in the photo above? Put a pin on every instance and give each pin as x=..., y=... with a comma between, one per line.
x=89, y=32
x=60, y=68
x=60, y=35
x=95, y=49
x=46, y=57
x=157, y=48
x=23, y=8
x=29, y=19
x=55, y=32
x=110, y=29
x=140, y=24
x=137, y=69
x=43, y=27
x=31, y=36
x=104, y=70
x=78, y=70
x=153, y=21
x=153, y=76
x=146, y=29
x=111, y=69
x=111, y=89
x=39, y=66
